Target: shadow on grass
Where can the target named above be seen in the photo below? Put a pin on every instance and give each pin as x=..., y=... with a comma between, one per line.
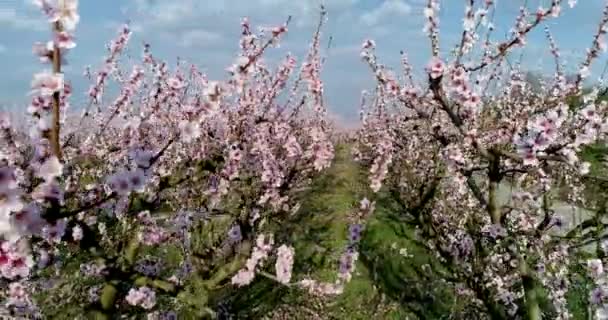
x=395, y=278
x=404, y=270
x=318, y=234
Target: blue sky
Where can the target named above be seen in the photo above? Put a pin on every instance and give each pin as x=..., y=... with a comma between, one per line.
x=206, y=32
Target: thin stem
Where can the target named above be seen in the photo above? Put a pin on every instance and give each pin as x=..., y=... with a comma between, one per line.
x=56, y=124
x=533, y=311
x=272, y=277
x=494, y=180
x=504, y=47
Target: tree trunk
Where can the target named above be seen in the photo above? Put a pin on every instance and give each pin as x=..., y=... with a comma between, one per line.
x=533, y=311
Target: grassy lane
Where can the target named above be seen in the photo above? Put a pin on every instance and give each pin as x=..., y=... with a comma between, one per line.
x=394, y=277
x=319, y=236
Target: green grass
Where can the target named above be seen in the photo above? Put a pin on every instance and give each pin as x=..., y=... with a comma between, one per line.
x=319, y=235
x=386, y=284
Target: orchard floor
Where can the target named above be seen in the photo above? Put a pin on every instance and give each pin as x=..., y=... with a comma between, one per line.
x=395, y=278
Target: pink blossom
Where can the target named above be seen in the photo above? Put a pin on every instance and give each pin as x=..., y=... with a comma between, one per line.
x=584, y=168
x=595, y=267
x=142, y=296
x=46, y=83
x=258, y=255
x=468, y=23
x=55, y=231
x=435, y=68
x=292, y=147
x=190, y=130
x=369, y=44
x=15, y=260
x=428, y=12
x=43, y=51
x=322, y=288
x=50, y=169
x=284, y=263
x=77, y=233
x=153, y=235
x=68, y=14
x=65, y=40
x=556, y=10
x=243, y=277
x=584, y=72
x=18, y=296
x=175, y=83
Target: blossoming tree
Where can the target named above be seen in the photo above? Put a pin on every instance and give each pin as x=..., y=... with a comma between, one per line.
x=445, y=147
x=165, y=198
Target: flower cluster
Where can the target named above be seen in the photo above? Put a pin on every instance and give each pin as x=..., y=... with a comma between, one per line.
x=258, y=255
x=284, y=263
x=143, y=297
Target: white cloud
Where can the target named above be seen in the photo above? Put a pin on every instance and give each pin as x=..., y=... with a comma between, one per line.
x=115, y=26
x=388, y=9
x=198, y=38
x=177, y=13
x=171, y=12
x=216, y=24
x=12, y=19
x=353, y=49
